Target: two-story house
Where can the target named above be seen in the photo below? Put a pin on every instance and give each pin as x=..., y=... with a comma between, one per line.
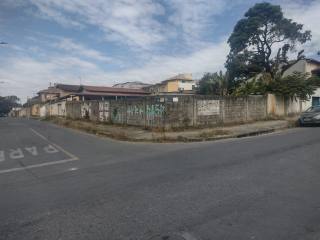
x=312, y=67
x=180, y=84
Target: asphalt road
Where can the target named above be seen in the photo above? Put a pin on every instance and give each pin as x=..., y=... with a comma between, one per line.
x=58, y=183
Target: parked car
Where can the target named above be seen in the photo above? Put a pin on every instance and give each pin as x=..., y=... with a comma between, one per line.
x=310, y=117
x=3, y=115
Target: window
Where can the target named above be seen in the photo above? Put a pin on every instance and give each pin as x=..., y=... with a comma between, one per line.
x=315, y=101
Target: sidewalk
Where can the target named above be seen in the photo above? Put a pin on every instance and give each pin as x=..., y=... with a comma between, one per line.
x=136, y=134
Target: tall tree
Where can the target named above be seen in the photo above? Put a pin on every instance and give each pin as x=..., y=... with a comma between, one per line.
x=213, y=84
x=7, y=103
x=261, y=41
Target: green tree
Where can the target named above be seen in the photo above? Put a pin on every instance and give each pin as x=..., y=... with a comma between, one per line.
x=261, y=41
x=214, y=84
x=7, y=103
x=296, y=85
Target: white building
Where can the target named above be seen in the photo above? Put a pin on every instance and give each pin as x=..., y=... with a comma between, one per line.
x=312, y=67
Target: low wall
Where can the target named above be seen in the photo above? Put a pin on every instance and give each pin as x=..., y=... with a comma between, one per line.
x=171, y=111
x=174, y=111
x=279, y=106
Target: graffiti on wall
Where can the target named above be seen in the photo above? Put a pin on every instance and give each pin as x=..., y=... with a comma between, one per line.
x=104, y=111
x=85, y=110
x=135, y=110
x=155, y=110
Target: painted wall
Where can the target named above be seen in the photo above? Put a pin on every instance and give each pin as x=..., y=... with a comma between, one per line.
x=172, y=86
x=35, y=110
x=186, y=85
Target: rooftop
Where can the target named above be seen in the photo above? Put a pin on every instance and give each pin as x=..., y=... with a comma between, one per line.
x=185, y=76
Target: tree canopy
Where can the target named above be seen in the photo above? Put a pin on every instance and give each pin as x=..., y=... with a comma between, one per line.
x=261, y=41
x=297, y=85
x=213, y=84
x=7, y=103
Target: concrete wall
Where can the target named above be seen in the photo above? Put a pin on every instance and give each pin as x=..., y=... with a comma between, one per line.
x=208, y=111
x=176, y=111
x=279, y=106
x=57, y=109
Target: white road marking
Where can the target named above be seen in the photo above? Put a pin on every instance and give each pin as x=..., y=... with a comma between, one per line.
x=36, y=165
x=33, y=150
x=2, y=157
x=73, y=169
x=16, y=153
x=55, y=145
x=70, y=155
x=50, y=149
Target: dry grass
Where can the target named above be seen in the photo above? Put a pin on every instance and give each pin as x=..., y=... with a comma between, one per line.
x=213, y=133
x=89, y=127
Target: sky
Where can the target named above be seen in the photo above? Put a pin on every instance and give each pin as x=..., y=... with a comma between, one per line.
x=103, y=42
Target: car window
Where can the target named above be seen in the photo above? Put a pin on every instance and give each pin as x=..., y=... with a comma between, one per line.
x=313, y=109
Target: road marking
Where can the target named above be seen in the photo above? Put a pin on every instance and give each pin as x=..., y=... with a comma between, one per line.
x=37, y=165
x=2, y=157
x=32, y=150
x=73, y=169
x=52, y=147
x=55, y=145
x=16, y=154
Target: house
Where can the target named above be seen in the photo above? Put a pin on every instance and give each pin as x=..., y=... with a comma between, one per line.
x=85, y=92
x=180, y=84
x=104, y=93
x=312, y=67
x=131, y=85
x=57, y=91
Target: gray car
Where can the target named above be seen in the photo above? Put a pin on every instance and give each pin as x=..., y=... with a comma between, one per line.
x=310, y=117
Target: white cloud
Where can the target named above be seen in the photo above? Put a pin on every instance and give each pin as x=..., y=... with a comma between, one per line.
x=308, y=15
x=74, y=48
x=129, y=21
x=208, y=59
x=137, y=22
x=195, y=16
x=25, y=75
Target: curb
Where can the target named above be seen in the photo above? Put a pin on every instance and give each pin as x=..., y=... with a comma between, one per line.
x=256, y=133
